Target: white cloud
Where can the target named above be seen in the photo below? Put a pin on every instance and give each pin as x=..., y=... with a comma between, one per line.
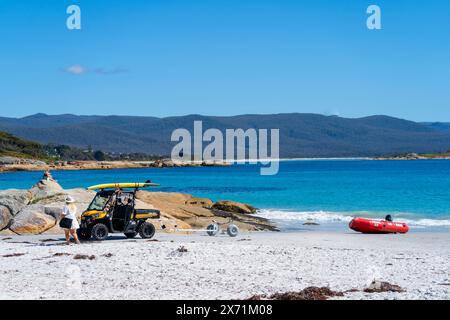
x=76, y=69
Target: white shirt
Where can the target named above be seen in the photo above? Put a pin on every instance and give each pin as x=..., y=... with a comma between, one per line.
x=70, y=212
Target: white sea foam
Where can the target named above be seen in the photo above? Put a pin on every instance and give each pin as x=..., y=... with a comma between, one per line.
x=345, y=217
x=323, y=216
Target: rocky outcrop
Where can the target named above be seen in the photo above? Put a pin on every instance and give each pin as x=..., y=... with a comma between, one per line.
x=38, y=210
x=15, y=200
x=46, y=188
x=173, y=204
x=24, y=212
x=5, y=217
x=235, y=207
x=169, y=163
x=32, y=220
x=179, y=206
x=199, y=202
x=7, y=160
x=15, y=164
x=54, y=204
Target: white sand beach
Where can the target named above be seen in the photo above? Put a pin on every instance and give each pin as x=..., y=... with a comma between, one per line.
x=225, y=268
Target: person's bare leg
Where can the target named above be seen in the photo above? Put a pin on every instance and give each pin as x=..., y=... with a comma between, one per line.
x=67, y=234
x=74, y=234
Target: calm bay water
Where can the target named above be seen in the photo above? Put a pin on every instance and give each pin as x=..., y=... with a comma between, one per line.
x=325, y=190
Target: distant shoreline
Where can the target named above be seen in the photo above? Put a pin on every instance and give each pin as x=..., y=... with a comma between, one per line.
x=29, y=165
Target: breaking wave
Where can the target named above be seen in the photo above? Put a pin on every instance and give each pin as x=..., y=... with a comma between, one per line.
x=345, y=217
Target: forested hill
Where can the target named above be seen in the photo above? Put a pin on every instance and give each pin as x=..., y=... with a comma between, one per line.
x=301, y=135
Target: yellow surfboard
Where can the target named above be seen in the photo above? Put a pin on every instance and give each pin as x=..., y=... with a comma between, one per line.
x=123, y=185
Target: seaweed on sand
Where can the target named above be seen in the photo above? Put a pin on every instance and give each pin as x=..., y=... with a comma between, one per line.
x=84, y=257
x=309, y=293
x=13, y=255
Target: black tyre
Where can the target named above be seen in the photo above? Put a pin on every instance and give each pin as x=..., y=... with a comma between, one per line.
x=147, y=230
x=99, y=232
x=212, y=229
x=232, y=230
x=130, y=235
x=84, y=234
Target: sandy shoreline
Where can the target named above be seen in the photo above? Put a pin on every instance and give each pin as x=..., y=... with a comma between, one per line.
x=226, y=268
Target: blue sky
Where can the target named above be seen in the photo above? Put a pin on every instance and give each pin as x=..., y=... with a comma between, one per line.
x=226, y=57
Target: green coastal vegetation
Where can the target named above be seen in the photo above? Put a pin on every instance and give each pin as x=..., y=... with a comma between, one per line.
x=437, y=155
x=20, y=148
x=416, y=156
x=13, y=146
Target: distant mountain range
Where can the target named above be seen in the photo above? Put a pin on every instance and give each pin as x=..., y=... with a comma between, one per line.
x=301, y=135
x=441, y=126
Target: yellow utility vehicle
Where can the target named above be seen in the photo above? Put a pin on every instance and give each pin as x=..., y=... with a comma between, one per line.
x=113, y=211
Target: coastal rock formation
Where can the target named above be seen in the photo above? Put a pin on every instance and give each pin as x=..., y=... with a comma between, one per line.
x=169, y=163
x=54, y=211
x=8, y=160
x=174, y=204
x=38, y=210
x=46, y=188
x=9, y=164
x=232, y=206
x=178, y=205
x=199, y=202
x=32, y=220
x=15, y=200
x=5, y=217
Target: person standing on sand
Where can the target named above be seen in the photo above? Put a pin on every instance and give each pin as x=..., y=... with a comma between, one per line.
x=69, y=212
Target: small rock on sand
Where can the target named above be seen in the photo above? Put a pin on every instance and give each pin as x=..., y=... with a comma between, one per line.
x=310, y=223
x=382, y=286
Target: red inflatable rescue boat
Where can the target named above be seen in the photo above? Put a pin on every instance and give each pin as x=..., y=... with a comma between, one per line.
x=377, y=226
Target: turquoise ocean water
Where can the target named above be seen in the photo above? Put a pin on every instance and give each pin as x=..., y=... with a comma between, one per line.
x=324, y=190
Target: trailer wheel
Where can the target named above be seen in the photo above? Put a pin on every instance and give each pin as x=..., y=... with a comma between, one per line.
x=212, y=229
x=232, y=230
x=147, y=230
x=99, y=232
